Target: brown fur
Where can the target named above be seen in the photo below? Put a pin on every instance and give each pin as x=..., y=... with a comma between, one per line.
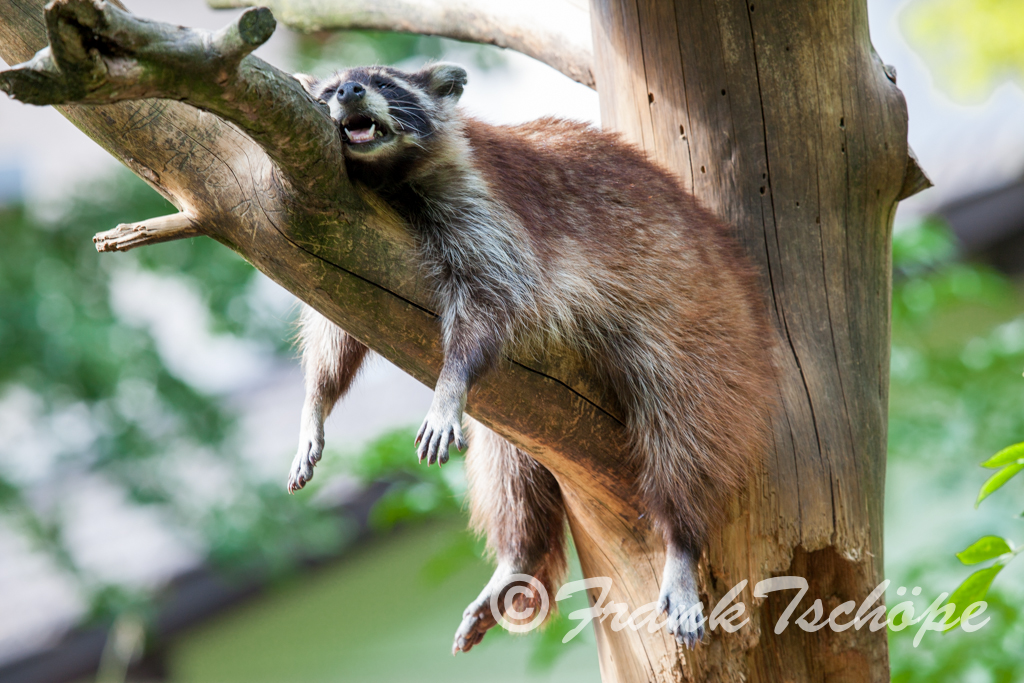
x=554, y=233
x=584, y=194
x=516, y=505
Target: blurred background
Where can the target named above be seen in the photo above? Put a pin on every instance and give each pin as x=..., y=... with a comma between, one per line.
x=149, y=405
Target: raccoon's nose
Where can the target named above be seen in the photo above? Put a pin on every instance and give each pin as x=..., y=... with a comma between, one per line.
x=351, y=92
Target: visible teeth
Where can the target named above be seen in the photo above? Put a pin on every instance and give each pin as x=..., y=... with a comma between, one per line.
x=361, y=135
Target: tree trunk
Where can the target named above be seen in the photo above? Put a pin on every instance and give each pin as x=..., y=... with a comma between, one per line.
x=779, y=116
x=803, y=135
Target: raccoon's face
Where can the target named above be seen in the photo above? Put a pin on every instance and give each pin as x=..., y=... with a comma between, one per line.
x=383, y=113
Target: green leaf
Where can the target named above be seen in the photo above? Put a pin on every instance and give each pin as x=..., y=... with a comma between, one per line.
x=996, y=481
x=1010, y=455
x=972, y=590
x=985, y=548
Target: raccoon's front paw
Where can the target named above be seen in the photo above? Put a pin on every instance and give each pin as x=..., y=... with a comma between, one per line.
x=311, y=448
x=685, y=613
x=440, y=429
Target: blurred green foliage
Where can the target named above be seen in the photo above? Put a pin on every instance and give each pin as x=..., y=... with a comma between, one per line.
x=65, y=351
x=418, y=493
x=368, y=618
x=415, y=491
x=956, y=393
x=972, y=45
x=60, y=339
x=338, y=49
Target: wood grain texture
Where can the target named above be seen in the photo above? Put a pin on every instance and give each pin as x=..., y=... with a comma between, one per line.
x=780, y=118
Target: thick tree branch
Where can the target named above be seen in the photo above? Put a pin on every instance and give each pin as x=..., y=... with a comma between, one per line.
x=100, y=54
x=556, y=32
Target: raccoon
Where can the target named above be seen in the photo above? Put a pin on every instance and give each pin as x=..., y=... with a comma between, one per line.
x=555, y=233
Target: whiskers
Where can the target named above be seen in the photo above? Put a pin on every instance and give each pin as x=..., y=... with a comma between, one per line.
x=410, y=117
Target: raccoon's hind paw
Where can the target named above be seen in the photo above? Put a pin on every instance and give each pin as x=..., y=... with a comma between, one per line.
x=484, y=612
x=680, y=602
x=437, y=433
x=309, y=453
x=477, y=620
x=685, y=617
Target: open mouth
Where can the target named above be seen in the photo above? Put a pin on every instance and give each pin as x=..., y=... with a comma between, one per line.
x=360, y=129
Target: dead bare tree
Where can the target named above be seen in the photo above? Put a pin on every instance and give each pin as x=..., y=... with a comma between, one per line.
x=779, y=116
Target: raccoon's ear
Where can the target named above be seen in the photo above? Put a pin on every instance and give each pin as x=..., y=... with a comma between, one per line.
x=445, y=80
x=308, y=82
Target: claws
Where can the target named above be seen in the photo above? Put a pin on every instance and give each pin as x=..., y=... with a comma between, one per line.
x=679, y=601
x=298, y=479
x=480, y=615
x=475, y=625
x=685, y=619
x=435, y=436
x=309, y=453
x=679, y=598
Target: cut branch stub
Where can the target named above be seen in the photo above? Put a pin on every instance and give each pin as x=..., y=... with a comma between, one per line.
x=252, y=29
x=915, y=179
x=130, y=235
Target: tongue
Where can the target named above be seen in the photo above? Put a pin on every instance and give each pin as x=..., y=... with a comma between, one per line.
x=360, y=136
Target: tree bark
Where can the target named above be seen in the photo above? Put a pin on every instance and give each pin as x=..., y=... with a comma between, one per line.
x=779, y=118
